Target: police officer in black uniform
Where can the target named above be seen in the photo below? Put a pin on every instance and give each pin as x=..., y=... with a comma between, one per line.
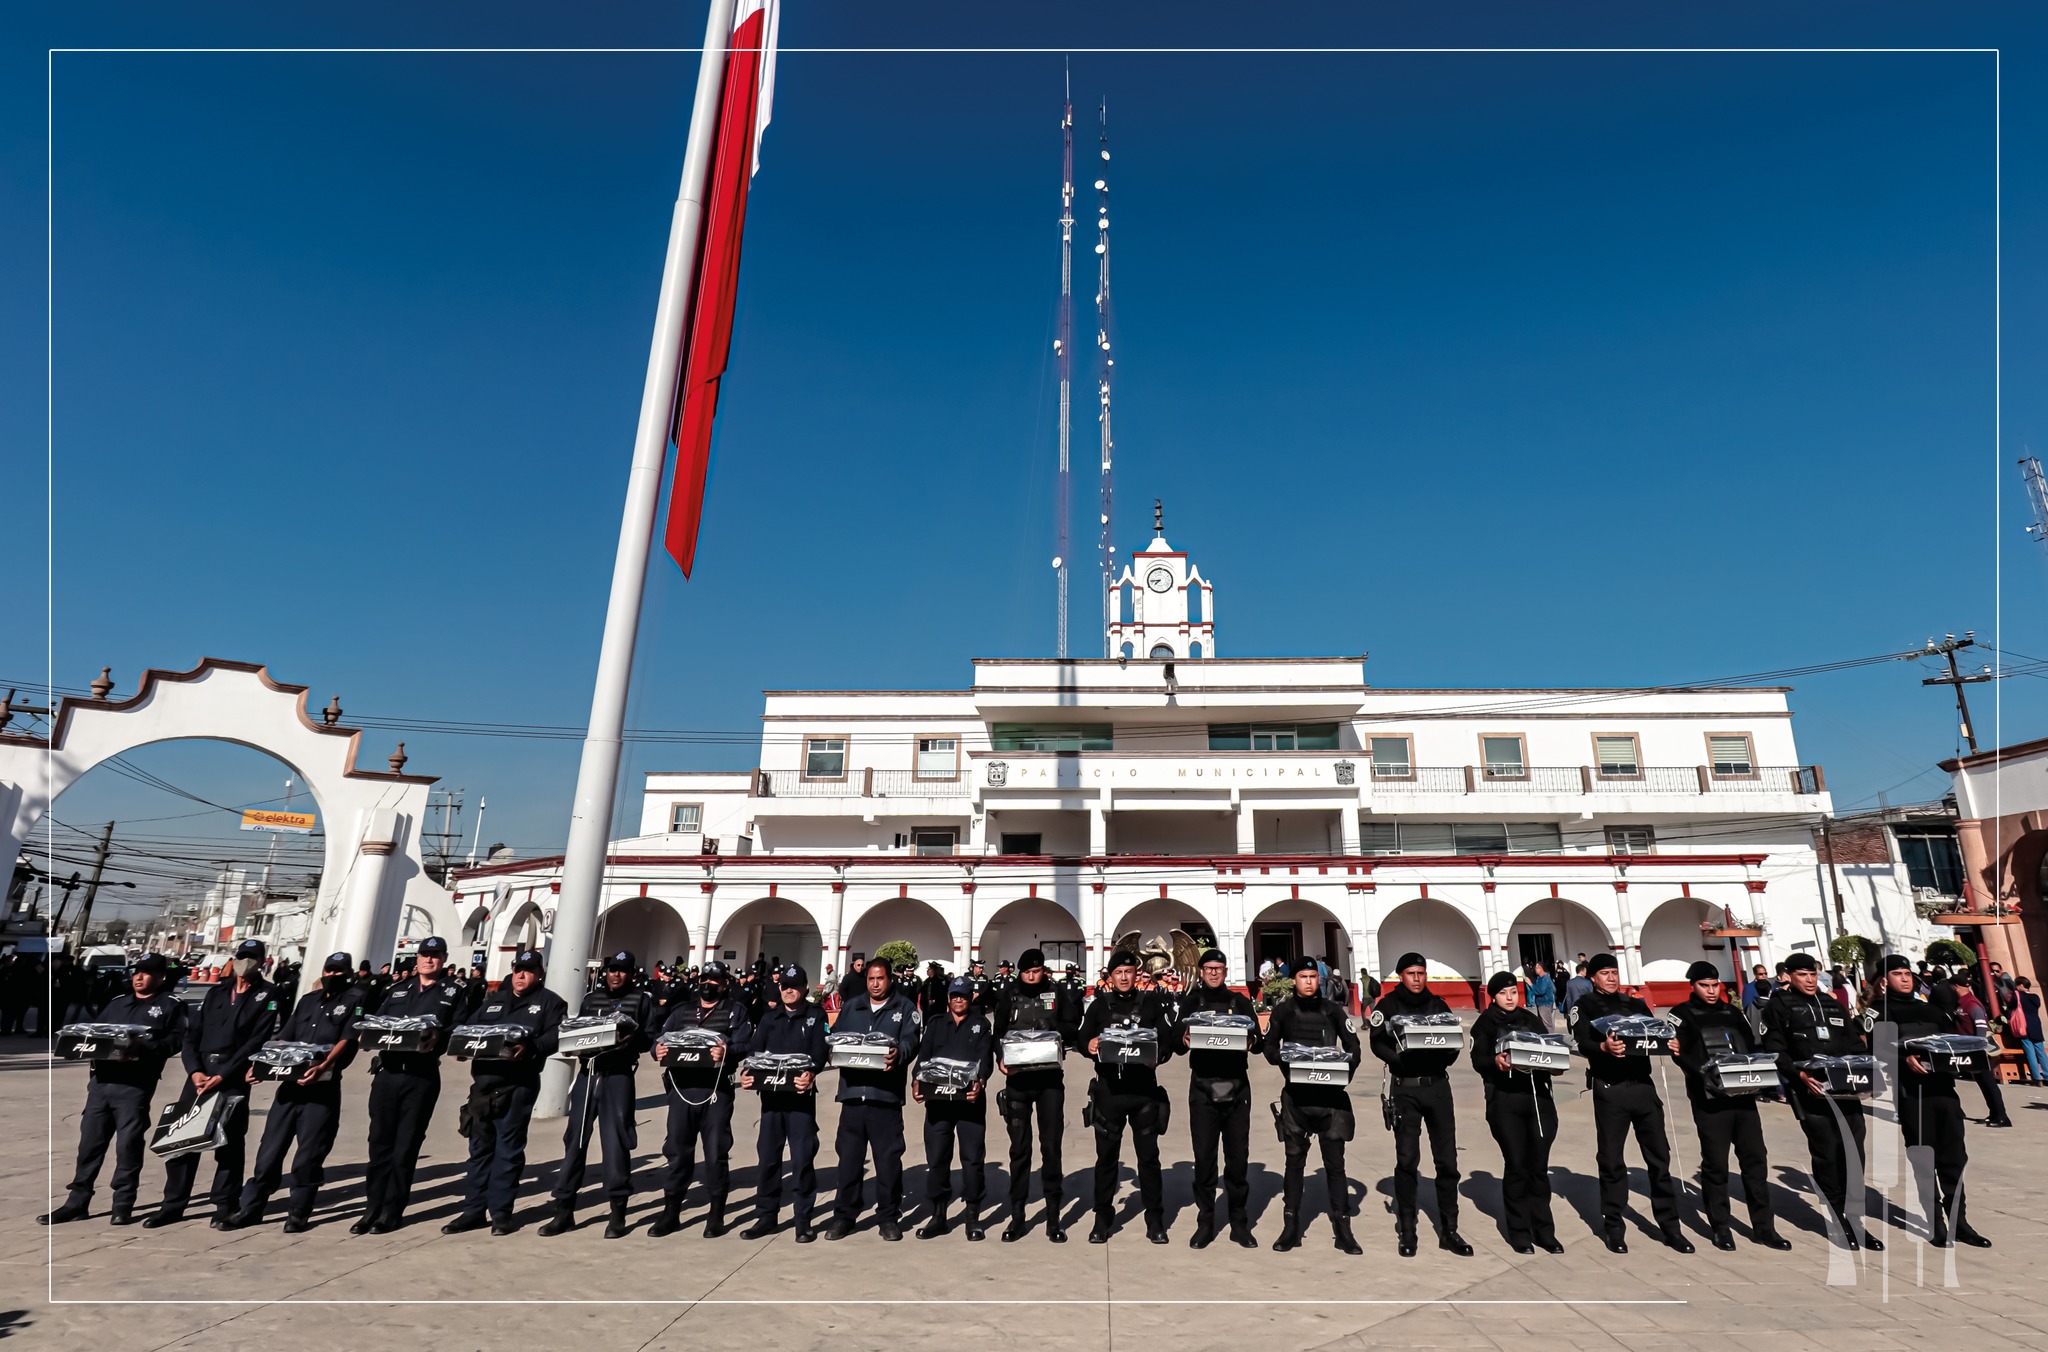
x=233, y=1023
x=1799, y=1024
x=1522, y=1115
x=404, y=1088
x=1421, y=1096
x=1930, y=1112
x=1033, y=1003
x=1315, y=1110
x=871, y=1103
x=1709, y=1026
x=1624, y=1099
x=1220, y=1106
x=1128, y=1095
x=502, y=1093
x=962, y=1033
x=307, y=1109
x=789, y=1118
x=602, y=1098
x=117, y=1097
x=700, y=1099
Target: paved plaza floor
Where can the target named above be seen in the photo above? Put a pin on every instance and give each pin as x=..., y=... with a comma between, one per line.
x=326, y=1289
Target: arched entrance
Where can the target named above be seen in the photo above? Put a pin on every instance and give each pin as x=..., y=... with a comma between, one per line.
x=1292, y=929
x=1672, y=941
x=774, y=928
x=1556, y=930
x=1033, y=922
x=649, y=928
x=1445, y=938
x=907, y=919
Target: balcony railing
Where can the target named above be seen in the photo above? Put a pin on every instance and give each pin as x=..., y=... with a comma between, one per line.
x=1565, y=780
x=857, y=784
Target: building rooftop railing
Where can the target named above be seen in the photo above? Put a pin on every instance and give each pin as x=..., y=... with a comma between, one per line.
x=1385, y=781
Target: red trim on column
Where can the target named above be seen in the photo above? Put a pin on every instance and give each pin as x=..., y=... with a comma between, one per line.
x=707, y=887
x=1096, y=888
x=1685, y=889
x=1162, y=891
x=772, y=887
x=839, y=887
x=1361, y=887
x=554, y=888
x=1754, y=884
x=1553, y=889
x=643, y=889
x=1621, y=887
x=1425, y=890
x=968, y=888
x=1488, y=886
x=1295, y=892
x=903, y=890
x=1034, y=889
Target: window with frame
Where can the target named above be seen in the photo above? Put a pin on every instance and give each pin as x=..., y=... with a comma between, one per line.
x=1378, y=837
x=938, y=758
x=1273, y=737
x=1391, y=757
x=934, y=840
x=1731, y=755
x=1631, y=840
x=825, y=758
x=1052, y=737
x=1503, y=757
x=687, y=818
x=1932, y=860
x=1617, y=755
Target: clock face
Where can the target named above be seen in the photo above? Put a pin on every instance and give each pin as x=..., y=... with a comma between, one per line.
x=1159, y=579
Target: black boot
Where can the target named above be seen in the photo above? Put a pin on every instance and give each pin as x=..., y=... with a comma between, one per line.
x=763, y=1226
x=467, y=1221
x=1453, y=1241
x=937, y=1225
x=563, y=1221
x=1018, y=1226
x=1241, y=1233
x=839, y=1229
x=1340, y=1230
x=164, y=1216
x=121, y=1215
x=1105, y=1226
x=1404, y=1237
x=1290, y=1232
x=1724, y=1239
x=1675, y=1237
x=503, y=1224
x=671, y=1218
x=1055, y=1230
x=714, y=1220
x=972, y=1221
x=295, y=1224
x=76, y=1209
x=1205, y=1231
x=1966, y=1235
x=1616, y=1239
x=615, y=1228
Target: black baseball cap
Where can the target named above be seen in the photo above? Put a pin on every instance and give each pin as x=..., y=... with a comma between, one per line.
x=528, y=961
x=338, y=962
x=621, y=961
x=155, y=964
x=792, y=976
x=250, y=948
x=433, y=946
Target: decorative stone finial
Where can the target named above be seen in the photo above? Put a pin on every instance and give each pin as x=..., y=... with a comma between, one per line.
x=332, y=713
x=398, y=760
x=104, y=686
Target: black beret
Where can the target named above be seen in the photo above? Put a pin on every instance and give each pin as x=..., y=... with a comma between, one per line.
x=1123, y=957
x=1703, y=971
x=1802, y=962
x=1303, y=965
x=1210, y=955
x=1601, y=962
x=1898, y=962
x=1499, y=982
x=1033, y=957
x=1407, y=960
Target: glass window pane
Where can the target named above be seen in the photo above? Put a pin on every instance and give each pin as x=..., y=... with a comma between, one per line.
x=1316, y=737
x=825, y=758
x=1052, y=737
x=1230, y=737
x=1617, y=755
x=1377, y=837
x=1503, y=755
x=1535, y=838
x=686, y=817
x=937, y=757
x=1426, y=838
x=1629, y=840
x=1730, y=755
x=1390, y=757
x=1479, y=838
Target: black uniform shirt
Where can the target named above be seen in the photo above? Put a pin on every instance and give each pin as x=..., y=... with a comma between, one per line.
x=1704, y=1032
x=326, y=1019
x=1208, y=1064
x=161, y=1011
x=636, y=1004
x=413, y=999
x=1399, y=1000
x=1138, y=1009
x=1914, y=1017
x=1800, y=1027
x=1600, y=1066
x=726, y=1016
x=1493, y=1024
x=540, y=1012
x=231, y=1027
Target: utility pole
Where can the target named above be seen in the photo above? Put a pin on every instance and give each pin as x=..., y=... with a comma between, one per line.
x=1948, y=648
x=2037, y=498
x=92, y=887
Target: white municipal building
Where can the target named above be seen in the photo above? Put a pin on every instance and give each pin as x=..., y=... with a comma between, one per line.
x=1276, y=806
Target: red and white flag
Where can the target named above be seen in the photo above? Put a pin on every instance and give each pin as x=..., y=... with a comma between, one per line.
x=736, y=154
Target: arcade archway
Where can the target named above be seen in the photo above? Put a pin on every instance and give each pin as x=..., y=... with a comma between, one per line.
x=649, y=928
x=775, y=929
x=909, y=920
x=1033, y=922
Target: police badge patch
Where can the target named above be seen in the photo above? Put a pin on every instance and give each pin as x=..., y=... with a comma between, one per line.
x=1378, y=1018
x=1869, y=1019
x=1573, y=1017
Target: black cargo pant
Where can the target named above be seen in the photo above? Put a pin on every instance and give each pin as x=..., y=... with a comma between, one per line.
x=599, y=1105
x=789, y=1122
x=1933, y=1127
x=1524, y=1125
x=228, y=1162
x=865, y=1127
x=309, y=1115
x=1301, y=1122
x=1418, y=1103
x=401, y=1105
x=698, y=1116
x=947, y=1121
x=1047, y=1096
x=1619, y=1107
x=1725, y=1123
x=1142, y=1113
x=497, y=1148
x=1835, y=1146
x=116, y=1113
x=1227, y=1122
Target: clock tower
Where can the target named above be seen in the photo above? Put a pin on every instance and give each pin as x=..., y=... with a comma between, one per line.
x=1172, y=607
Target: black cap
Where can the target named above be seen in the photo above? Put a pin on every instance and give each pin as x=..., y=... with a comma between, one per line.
x=1407, y=960
x=1703, y=971
x=1602, y=962
x=1210, y=955
x=1033, y=957
x=250, y=948
x=1003, y=966
x=155, y=964
x=1499, y=982
x=1301, y=965
x=960, y=985
x=338, y=962
x=1123, y=957
x=1898, y=962
x=528, y=961
x=792, y=976
x=1802, y=962
x=433, y=946
x=621, y=961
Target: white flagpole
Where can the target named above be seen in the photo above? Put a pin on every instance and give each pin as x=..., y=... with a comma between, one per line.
x=597, y=777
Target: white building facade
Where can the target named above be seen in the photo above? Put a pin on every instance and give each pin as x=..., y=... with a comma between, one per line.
x=1272, y=807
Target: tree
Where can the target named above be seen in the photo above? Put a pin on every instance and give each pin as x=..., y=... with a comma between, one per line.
x=896, y=954
x=1950, y=953
x=1852, y=951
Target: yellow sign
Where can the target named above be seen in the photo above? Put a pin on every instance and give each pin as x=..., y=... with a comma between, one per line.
x=263, y=819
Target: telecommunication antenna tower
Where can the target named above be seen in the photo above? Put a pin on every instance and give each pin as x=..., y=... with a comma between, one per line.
x=1105, y=366
x=2037, y=495
x=1063, y=349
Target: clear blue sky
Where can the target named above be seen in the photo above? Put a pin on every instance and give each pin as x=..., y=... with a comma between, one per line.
x=1518, y=369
